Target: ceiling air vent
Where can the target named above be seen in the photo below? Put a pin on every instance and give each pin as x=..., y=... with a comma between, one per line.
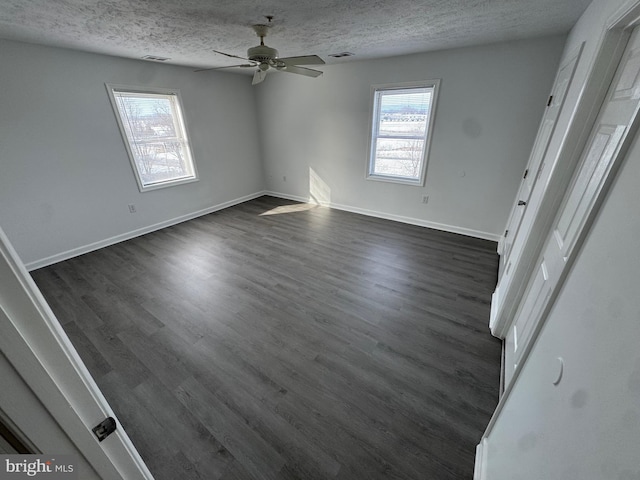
x=342, y=54
x=155, y=58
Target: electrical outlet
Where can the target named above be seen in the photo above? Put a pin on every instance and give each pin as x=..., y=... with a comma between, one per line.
x=132, y=208
x=425, y=199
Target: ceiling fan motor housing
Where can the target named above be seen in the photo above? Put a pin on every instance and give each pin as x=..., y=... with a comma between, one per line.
x=262, y=54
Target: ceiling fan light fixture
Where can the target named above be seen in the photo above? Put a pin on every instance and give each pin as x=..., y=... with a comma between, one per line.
x=259, y=77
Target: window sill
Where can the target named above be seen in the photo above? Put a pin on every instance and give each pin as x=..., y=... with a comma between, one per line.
x=167, y=184
x=402, y=180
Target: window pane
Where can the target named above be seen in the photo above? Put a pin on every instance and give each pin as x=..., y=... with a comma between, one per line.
x=404, y=114
x=148, y=117
x=398, y=157
x=156, y=136
x=161, y=161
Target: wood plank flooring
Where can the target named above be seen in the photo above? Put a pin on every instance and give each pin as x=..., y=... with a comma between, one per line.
x=276, y=340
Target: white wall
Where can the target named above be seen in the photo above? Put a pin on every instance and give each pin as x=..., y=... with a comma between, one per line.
x=490, y=104
x=588, y=427
x=65, y=179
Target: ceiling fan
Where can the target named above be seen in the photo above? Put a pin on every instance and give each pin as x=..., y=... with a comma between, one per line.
x=265, y=58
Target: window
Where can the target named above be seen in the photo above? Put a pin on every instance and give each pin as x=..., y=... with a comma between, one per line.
x=401, y=124
x=154, y=133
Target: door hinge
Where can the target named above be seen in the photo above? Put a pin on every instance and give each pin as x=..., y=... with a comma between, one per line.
x=550, y=100
x=506, y=232
x=526, y=172
x=104, y=428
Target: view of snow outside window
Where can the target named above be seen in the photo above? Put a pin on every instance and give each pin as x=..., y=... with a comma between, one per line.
x=400, y=130
x=156, y=136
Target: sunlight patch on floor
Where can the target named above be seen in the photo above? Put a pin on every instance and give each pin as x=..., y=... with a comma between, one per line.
x=319, y=195
x=298, y=207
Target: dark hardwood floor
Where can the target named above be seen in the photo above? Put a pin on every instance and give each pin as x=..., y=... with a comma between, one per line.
x=276, y=340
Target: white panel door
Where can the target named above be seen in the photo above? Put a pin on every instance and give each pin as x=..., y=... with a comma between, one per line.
x=610, y=137
x=535, y=167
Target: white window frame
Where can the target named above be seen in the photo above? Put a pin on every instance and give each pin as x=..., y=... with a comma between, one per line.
x=181, y=126
x=376, y=92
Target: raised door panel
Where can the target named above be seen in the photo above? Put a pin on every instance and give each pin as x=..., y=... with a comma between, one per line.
x=627, y=86
x=530, y=311
x=582, y=196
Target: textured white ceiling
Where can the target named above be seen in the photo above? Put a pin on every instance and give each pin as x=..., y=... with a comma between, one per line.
x=187, y=31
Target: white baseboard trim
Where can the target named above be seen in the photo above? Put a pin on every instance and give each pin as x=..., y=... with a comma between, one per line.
x=295, y=198
x=74, y=252
x=389, y=216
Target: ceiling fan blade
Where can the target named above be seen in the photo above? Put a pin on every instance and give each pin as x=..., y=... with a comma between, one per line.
x=258, y=77
x=229, y=55
x=228, y=66
x=303, y=60
x=301, y=71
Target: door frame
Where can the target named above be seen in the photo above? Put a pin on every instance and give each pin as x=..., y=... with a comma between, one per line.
x=53, y=396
